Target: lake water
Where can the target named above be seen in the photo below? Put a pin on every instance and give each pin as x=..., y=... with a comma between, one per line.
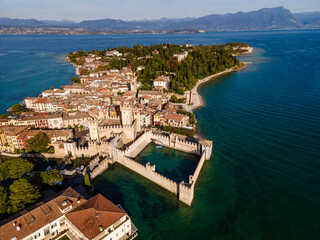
x=263, y=181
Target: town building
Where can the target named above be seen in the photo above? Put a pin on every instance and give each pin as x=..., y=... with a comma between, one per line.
x=69, y=213
x=161, y=82
x=181, y=56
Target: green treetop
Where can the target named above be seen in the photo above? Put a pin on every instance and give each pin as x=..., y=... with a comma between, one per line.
x=75, y=80
x=3, y=200
x=15, y=168
x=22, y=192
x=51, y=177
x=3, y=116
x=16, y=109
x=38, y=143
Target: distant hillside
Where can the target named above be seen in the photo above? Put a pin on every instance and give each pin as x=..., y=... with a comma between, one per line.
x=112, y=24
x=266, y=18
x=263, y=19
x=63, y=23
x=20, y=22
x=311, y=19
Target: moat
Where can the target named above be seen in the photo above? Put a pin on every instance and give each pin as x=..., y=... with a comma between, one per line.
x=171, y=163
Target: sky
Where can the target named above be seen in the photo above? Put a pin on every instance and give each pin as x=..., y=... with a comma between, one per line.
x=78, y=10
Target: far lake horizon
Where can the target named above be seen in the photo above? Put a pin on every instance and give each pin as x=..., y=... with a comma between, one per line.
x=262, y=181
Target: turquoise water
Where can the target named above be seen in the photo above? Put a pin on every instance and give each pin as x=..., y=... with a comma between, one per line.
x=263, y=181
x=170, y=163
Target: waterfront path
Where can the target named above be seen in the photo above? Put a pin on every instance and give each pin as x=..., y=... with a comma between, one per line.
x=195, y=98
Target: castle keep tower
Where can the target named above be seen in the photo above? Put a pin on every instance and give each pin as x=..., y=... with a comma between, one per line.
x=126, y=115
x=93, y=129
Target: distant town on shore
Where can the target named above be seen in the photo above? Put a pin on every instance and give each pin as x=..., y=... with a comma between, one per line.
x=278, y=18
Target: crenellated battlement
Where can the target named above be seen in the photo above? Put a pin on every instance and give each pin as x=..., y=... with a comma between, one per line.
x=188, y=142
x=108, y=127
x=185, y=191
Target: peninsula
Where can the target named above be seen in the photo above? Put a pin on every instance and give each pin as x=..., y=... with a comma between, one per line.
x=121, y=100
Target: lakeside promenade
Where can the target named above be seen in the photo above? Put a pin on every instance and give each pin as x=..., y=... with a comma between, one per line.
x=196, y=100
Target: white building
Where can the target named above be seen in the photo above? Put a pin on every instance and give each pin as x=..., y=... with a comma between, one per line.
x=181, y=56
x=113, y=53
x=69, y=213
x=161, y=82
x=145, y=119
x=55, y=92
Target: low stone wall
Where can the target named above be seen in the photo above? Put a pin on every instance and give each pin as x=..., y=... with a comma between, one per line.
x=10, y=154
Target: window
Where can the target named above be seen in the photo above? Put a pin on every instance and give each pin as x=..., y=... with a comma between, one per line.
x=46, y=232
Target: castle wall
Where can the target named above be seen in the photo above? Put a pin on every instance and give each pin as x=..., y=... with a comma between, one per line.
x=186, y=146
x=148, y=172
x=99, y=168
x=186, y=190
x=186, y=193
x=160, y=139
x=139, y=144
x=198, y=169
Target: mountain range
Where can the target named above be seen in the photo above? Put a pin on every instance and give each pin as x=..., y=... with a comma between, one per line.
x=263, y=19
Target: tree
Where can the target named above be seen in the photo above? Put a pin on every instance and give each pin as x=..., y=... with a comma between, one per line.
x=22, y=193
x=16, y=109
x=4, y=174
x=15, y=168
x=87, y=180
x=75, y=80
x=51, y=88
x=38, y=143
x=84, y=71
x=3, y=116
x=81, y=61
x=51, y=177
x=3, y=200
x=174, y=99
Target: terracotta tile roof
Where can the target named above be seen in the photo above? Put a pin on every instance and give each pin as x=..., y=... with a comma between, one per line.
x=32, y=219
x=175, y=117
x=129, y=93
x=97, y=211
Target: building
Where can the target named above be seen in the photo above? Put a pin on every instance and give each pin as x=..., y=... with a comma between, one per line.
x=176, y=120
x=71, y=214
x=9, y=137
x=79, y=118
x=161, y=82
x=181, y=56
x=145, y=118
x=113, y=53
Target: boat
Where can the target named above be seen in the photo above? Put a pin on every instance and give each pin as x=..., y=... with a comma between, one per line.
x=158, y=147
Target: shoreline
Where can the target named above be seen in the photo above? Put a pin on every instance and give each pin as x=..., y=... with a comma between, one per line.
x=196, y=100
